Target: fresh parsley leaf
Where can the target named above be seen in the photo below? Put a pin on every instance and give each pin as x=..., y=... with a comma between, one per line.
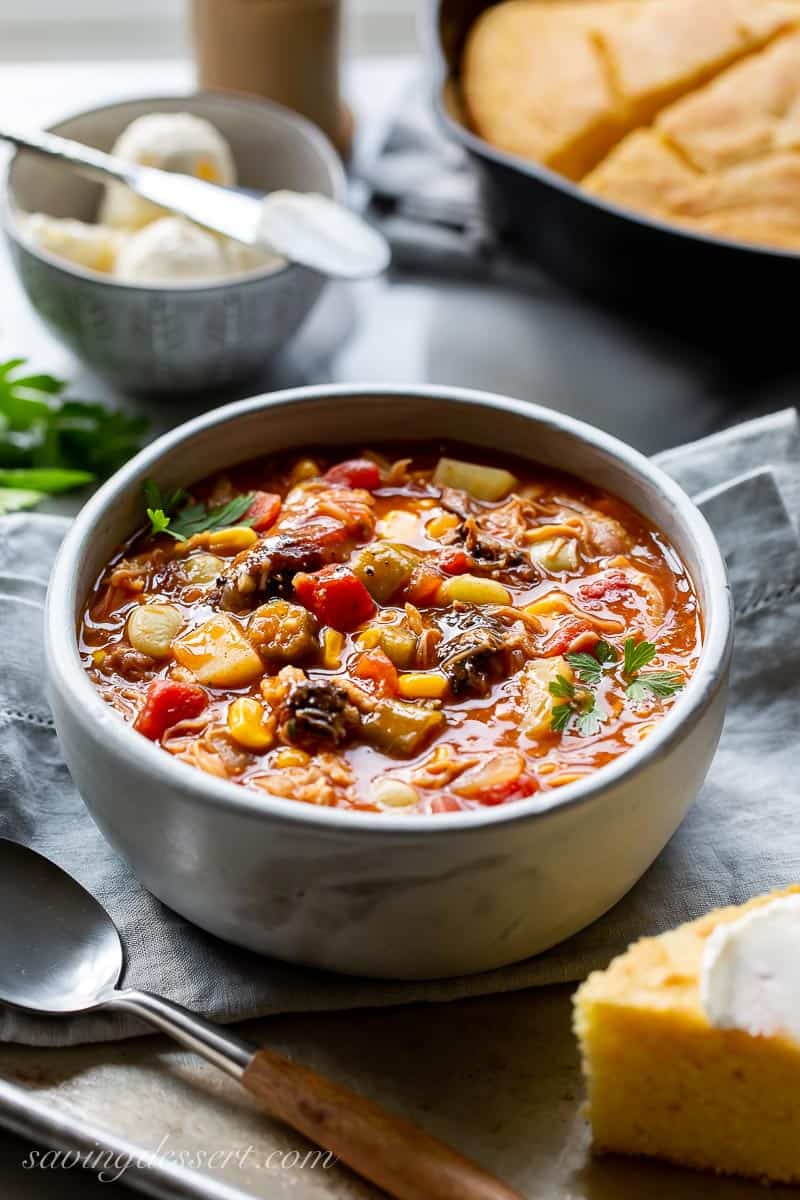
x=656, y=683
x=604, y=652
x=560, y=718
x=196, y=518
x=159, y=523
x=586, y=666
x=181, y=517
x=589, y=721
x=562, y=688
x=637, y=655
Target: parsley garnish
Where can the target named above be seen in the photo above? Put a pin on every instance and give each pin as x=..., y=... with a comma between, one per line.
x=51, y=444
x=656, y=683
x=584, y=707
x=589, y=667
x=180, y=517
x=580, y=704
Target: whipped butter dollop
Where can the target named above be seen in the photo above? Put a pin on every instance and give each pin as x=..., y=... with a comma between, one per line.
x=750, y=972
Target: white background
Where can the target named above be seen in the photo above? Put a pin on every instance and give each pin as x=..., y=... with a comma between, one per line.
x=81, y=29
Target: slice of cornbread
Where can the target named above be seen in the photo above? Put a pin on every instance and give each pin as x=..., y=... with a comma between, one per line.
x=561, y=83
x=642, y=172
x=667, y=48
x=764, y=227
x=748, y=111
x=664, y=1082
x=535, y=84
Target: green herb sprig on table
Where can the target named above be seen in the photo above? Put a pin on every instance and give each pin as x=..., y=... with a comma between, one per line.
x=179, y=516
x=50, y=443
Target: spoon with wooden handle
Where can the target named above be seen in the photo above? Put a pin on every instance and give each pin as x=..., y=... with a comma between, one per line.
x=62, y=955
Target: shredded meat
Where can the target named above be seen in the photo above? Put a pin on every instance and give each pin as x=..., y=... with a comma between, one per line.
x=492, y=536
x=483, y=652
x=317, y=713
x=327, y=781
x=319, y=525
x=123, y=660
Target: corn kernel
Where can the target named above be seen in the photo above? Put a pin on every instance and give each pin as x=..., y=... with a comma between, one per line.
x=369, y=638
x=393, y=793
x=232, y=540
x=248, y=725
x=332, y=646
x=439, y=526
x=471, y=589
x=98, y=657
x=289, y=757
x=422, y=685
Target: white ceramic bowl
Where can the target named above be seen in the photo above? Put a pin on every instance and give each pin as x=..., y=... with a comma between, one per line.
x=190, y=336
x=378, y=894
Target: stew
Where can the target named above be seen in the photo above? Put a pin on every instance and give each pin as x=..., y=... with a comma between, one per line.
x=423, y=630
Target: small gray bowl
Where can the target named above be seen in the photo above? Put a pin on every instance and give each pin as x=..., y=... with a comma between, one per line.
x=189, y=336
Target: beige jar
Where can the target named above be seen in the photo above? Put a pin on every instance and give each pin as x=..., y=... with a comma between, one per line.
x=285, y=50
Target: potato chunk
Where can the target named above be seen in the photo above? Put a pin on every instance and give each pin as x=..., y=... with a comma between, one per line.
x=537, y=700
x=484, y=483
x=218, y=654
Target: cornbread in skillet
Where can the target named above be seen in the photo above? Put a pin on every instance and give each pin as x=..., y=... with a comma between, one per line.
x=534, y=83
x=562, y=83
x=753, y=202
x=751, y=110
x=670, y=47
x=664, y=1082
x=642, y=172
x=651, y=104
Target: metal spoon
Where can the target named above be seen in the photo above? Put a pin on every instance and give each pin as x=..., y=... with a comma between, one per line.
x=60, y=954
x=303, y=228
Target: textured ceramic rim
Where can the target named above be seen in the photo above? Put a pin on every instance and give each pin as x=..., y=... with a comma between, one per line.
x=303, y=128
x=73, y=683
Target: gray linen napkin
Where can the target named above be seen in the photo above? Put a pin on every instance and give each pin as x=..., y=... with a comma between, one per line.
x=742, y=836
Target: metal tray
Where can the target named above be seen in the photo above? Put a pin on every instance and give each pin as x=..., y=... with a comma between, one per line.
x=600, y=248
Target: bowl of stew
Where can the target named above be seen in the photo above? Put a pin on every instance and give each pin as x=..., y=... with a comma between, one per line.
x=403, y=682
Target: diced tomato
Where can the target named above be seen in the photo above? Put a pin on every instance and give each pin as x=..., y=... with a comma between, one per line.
x=167, y=702
x=515, y=789
x=454, y=561
x=445, y=803
x=263, y=512
x=355, y=473
x=607, y=587
x=573, y=634
x=424, y=587
x=379, y=669
x=336, y=597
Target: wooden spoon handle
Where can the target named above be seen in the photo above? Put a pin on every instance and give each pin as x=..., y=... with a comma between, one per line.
x=399, y=1157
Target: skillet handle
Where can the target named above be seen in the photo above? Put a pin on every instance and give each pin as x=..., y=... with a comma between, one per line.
x=399, y=1157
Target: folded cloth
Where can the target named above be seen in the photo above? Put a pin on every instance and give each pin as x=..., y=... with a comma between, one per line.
x=742, y=836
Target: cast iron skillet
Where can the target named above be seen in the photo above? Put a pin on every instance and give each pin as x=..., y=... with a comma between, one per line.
x=610, y=252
